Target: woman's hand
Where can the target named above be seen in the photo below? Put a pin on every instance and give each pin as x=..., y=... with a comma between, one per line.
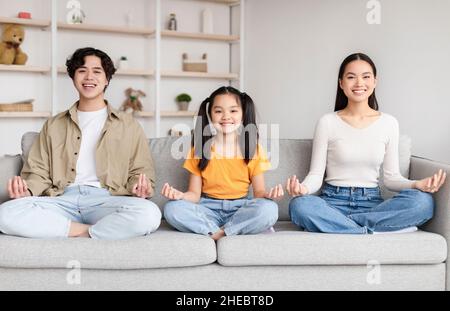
x=171, y=193
x=17, y=188
x=295, y=188
x=275, y=193
x=431, y=184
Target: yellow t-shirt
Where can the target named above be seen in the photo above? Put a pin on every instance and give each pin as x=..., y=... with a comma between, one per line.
x=227, y=178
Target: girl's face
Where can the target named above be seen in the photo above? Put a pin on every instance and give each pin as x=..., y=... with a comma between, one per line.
x=90, y=79
x=226, y=113
x=358, y=81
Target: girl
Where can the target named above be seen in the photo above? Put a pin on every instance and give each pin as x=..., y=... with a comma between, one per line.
x=224, y=160
x=350, y=145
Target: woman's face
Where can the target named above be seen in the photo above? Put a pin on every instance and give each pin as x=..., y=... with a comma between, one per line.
x=226, y=113
x=358, y=81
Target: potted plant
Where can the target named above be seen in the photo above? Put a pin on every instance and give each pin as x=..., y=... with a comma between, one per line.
x=183, y=101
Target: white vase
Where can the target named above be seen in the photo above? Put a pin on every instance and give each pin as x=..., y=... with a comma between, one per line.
x=207, y=18
x=123, y=64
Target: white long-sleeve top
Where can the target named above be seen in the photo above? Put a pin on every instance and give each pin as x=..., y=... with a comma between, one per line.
x=352, y=157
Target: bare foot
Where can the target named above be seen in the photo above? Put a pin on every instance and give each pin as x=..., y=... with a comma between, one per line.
x=78, y=230
x=218, y=235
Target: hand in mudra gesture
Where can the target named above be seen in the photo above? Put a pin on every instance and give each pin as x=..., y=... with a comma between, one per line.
x=295, y=188
x=431, y=184
x=17, y=188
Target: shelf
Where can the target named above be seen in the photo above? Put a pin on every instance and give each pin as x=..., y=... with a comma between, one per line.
x=24, y=68
x=135, y=72
x=199, y=36
x=166, y=114
x=31, y=114
x=144, y=114
x=25, y=22
x=170, y=74
x=122, y=72
x=229, y=2
x=104, y=28
x=178, y=114
x=203, y=75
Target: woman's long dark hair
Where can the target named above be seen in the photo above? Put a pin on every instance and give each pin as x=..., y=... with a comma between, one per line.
x=203, y=133
x=341, y=98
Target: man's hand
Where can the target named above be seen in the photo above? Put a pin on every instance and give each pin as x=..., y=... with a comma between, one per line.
x=17, y=188
x=142, y=188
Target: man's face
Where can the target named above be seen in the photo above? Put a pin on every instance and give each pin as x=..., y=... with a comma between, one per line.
x=90, y=79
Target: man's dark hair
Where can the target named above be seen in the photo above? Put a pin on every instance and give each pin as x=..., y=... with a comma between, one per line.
x=77, y=60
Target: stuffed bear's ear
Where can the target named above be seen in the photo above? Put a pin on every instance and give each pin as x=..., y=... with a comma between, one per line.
x=7, y=27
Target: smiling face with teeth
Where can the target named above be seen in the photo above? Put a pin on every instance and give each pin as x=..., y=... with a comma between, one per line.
x=90, y=79
x=358, y=81
x=226, y=113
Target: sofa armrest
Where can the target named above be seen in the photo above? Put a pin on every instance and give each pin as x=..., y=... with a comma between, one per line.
x=440, y=223
x=10, y=165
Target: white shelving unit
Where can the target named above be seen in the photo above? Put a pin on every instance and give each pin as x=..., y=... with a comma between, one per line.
x=154, y=77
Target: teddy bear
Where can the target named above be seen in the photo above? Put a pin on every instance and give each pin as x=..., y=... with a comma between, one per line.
x=132, y=103
x=10, y=51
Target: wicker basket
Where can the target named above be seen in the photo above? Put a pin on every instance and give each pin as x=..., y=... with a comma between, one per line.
x=195, y=66
x=16, y=107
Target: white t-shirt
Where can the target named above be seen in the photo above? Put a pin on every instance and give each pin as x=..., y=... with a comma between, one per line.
x=91, y=124
x=352, y=157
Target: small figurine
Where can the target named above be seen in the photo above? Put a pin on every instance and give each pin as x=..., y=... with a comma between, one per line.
x=132, y=103
x=76, y=14
x=172, y=22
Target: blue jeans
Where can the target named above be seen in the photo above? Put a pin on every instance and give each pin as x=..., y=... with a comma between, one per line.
x=360, y=210
x=242, y=216
x=111, y=217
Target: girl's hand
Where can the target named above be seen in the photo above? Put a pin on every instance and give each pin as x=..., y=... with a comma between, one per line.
x=171, y=193
x=295, y=188
x=431, y=184
x=17, y=188
x=275, y=193
x=142, y=189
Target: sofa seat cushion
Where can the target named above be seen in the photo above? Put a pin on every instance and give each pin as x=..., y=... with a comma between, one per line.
x=163, y=249
x=290, y=246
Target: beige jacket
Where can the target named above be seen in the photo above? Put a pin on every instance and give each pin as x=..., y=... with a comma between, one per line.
x=122, y=154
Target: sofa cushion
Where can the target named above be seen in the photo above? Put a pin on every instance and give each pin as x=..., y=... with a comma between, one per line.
x=288, y=157
x=288, y=246
x=27, y=140
x=162, y=249
x=168, y=156
x=10, y=165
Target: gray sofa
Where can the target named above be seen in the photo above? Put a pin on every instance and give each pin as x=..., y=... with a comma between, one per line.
x=288, y=259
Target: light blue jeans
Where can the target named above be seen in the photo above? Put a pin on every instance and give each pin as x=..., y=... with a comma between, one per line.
x=360, y=210
x=241, y=216
x=111, y=217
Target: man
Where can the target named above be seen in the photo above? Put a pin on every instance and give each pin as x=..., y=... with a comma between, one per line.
x=89, y=172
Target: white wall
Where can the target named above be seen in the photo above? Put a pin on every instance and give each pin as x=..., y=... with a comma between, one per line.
x=294, y=49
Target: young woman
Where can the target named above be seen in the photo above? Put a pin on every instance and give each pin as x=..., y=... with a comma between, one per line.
x=224, y=160
x=350, y=145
